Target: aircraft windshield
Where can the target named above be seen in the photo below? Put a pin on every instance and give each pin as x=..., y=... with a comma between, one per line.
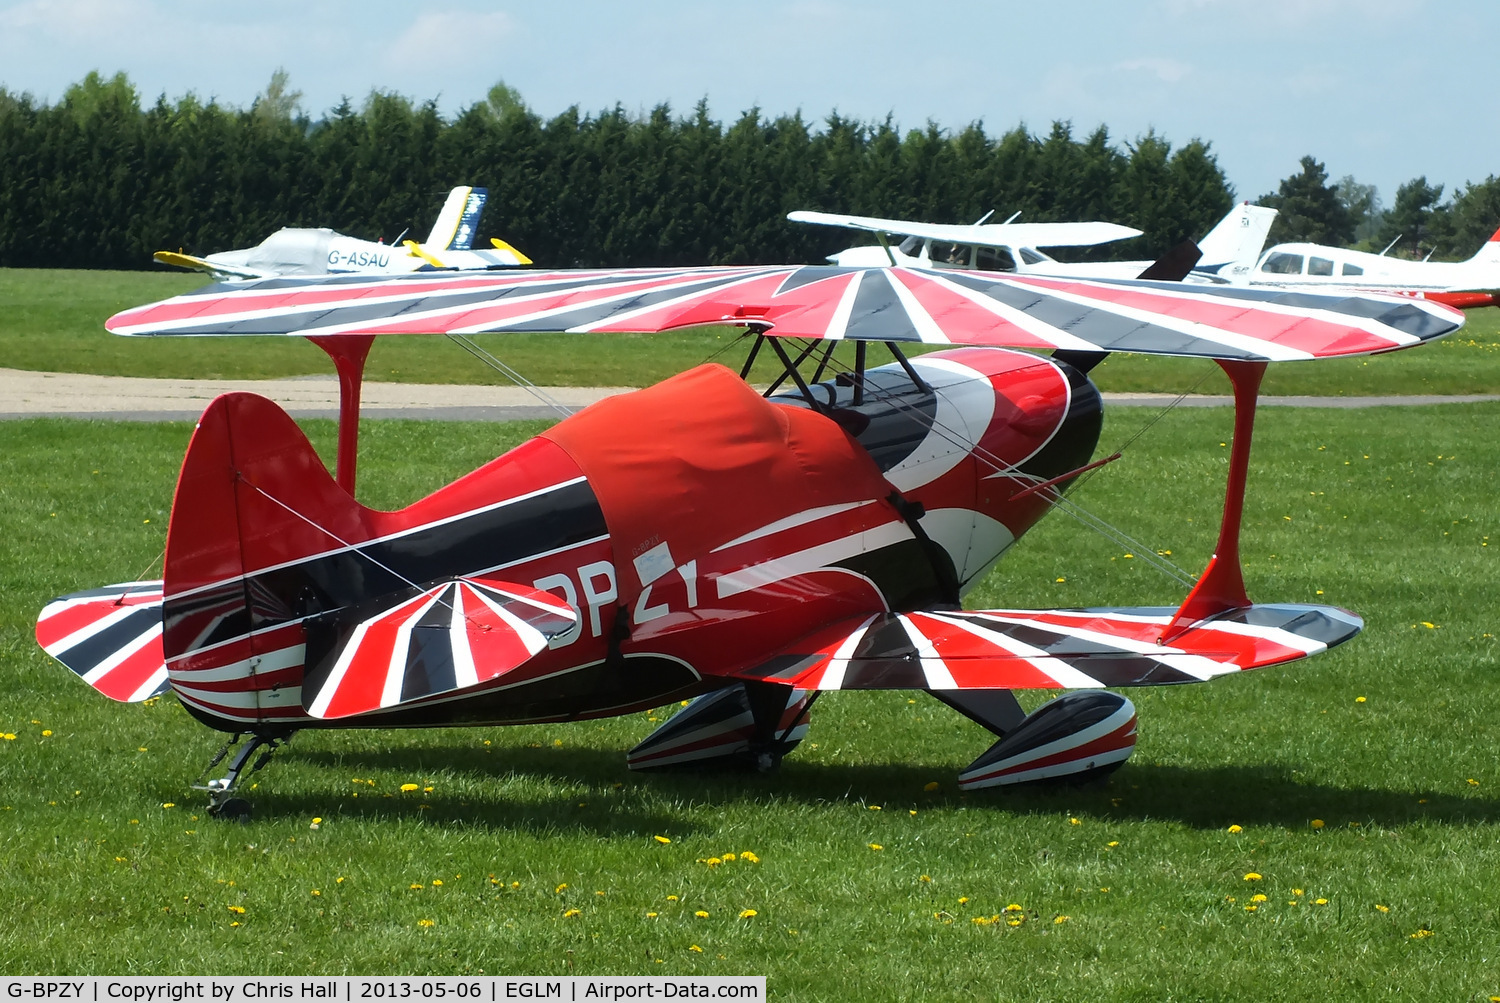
x=994, y=259
x=1032, y=257
x=1282, y=263
x=910, y=246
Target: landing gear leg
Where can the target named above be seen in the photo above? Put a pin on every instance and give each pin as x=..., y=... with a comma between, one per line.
x=222, y=801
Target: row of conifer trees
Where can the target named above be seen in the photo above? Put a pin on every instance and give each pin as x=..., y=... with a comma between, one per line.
x=96, y=180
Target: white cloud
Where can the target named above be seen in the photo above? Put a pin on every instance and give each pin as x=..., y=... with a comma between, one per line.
x=438, y=41
x=1168, y=71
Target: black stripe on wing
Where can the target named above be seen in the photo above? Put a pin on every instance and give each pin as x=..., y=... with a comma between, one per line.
x=1105, y=663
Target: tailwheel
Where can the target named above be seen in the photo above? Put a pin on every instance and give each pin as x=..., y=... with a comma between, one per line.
x=223, y=802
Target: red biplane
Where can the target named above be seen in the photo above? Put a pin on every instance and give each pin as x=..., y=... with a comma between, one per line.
x=699, y=540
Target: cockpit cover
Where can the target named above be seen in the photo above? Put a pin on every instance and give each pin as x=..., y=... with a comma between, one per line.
x=702, y=459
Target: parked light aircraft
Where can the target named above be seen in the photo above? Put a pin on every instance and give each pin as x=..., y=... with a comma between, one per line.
x=698, y=540
x=321, y=251
x=1314, y=266
x=1228, y=250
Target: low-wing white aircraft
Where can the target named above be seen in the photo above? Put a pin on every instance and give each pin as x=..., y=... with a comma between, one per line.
x=1229, y=249
x=1475, y=282
x=321, y=251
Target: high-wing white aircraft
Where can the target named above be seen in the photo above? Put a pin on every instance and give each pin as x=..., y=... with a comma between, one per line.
x=1229, y=249
x=321, y=251
x=1315, y=267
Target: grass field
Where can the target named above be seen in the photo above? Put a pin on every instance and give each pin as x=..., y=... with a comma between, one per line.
x=864, y=884
x=54, y=321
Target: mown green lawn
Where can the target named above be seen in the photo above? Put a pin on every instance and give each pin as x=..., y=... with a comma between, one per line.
x=53, y=320
x=864, y=884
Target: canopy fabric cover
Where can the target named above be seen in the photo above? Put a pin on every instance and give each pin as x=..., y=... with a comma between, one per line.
x=685, y=465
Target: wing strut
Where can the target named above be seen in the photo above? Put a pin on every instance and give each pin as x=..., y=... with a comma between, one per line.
x=1221, y=587
x=348, y=353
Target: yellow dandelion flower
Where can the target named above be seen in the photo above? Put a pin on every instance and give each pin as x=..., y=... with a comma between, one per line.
x=671, y=898
x=426, y=790
x=238, y=910
x=235, y=923
x=46, y=732
x=408, y=787
x=1257, y=898
x=437, y=882
x=1252, y=876
x=1252, y=908
x=1234, y=828
x=876, y=846
x=1424, y=932
x=426, y=922
x=560, y=888
x=728, y=858
x=1296, y=891
x=963, y=900
x=416, y=887
x=1473, y=782
x=749, y=857
x=1113, y=842
x=557, y=743
x=338, y=881
x=925, y=877
x=572, y=912
x=1317, y=823
x=874, y=807
x=701, y=914
x=1062, y=579
x=1320, y=901
x=1015, y=922
x=930, y=786
x=650, y=915
x=661, y=839
x=1074, y=821
x=695, y=948
x=747, y=913
x=1359, y=699
x=911, y=811
x=1382, y=908
x=713, y=861
x=9, y=736
x=169, y=804
x=1060, y=919
x=1013, y=908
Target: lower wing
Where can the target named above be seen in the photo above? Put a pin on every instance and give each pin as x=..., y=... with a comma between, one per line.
x=1052, y=649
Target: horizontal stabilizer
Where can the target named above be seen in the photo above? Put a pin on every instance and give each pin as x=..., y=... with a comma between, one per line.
x=447, y=637
x=1052, y=649
x=111, y=637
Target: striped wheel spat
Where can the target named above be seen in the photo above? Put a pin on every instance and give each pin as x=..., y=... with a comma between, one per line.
x=717, y=725
x=817, y=301
x=1074, y=735
x=111, y=637
x=1055, y=649
x=450, y=637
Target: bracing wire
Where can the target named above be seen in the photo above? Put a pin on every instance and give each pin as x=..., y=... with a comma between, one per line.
x=468, y=345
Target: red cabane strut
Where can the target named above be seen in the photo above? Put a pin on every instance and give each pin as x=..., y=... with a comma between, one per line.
x=1221, y=587
x=348, y=353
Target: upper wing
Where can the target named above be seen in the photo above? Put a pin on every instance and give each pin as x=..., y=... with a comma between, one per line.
x=214, y=268
x=1052, y=649
x=1084, y=234
x=817, y=301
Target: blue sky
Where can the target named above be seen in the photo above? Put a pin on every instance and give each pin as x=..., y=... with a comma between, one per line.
x=1384, y=90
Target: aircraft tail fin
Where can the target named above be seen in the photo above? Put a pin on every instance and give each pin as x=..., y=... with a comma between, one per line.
x=1233, y=245
x=458, y=221
x=1489, y=251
